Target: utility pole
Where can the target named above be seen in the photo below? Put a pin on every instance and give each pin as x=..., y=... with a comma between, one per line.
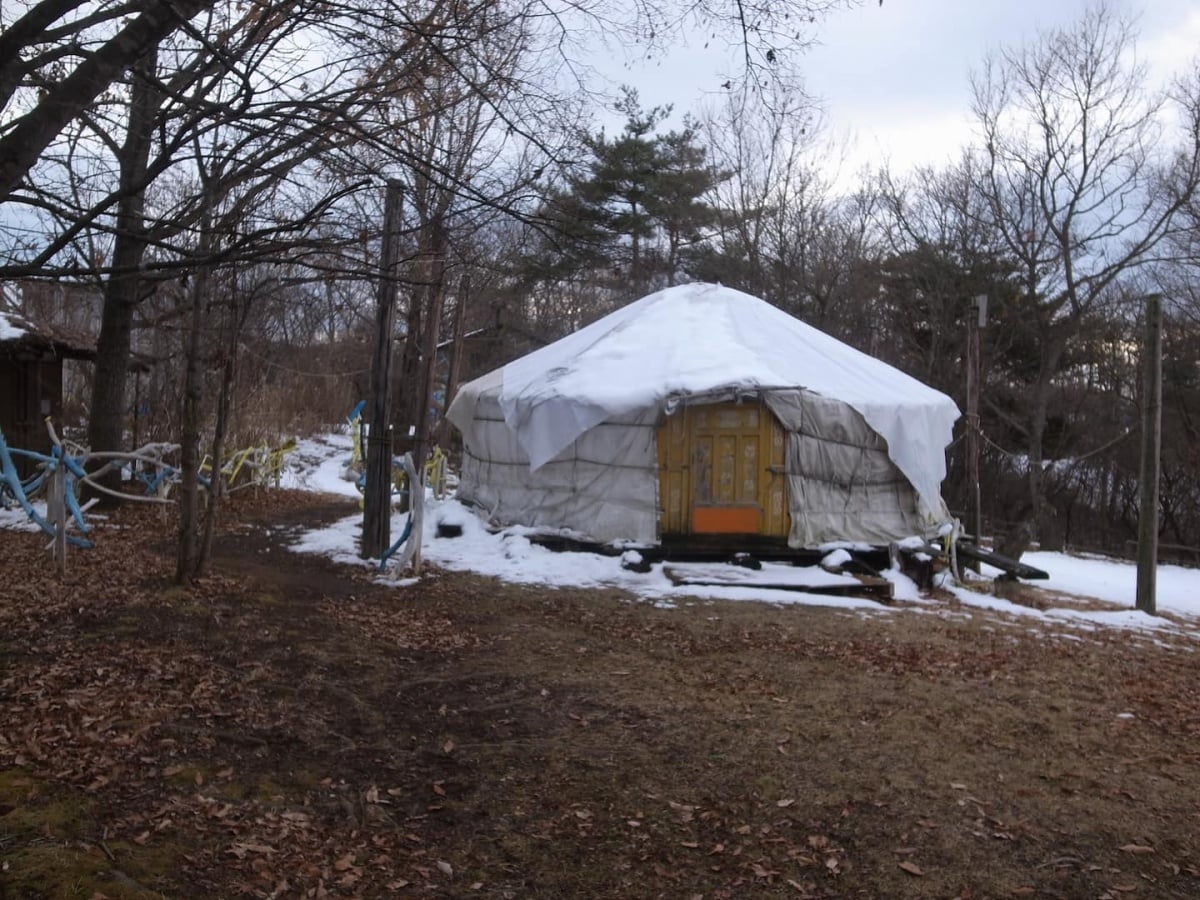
x=1147, y=566
x=377, y=495
x=975, y=323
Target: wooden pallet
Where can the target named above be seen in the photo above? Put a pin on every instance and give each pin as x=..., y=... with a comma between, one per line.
x=808, y=580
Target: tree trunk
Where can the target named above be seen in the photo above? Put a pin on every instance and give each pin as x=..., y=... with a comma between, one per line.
x=457, y=349
x=377, y=495
x=433, y=320
x=407, y=403
x=189, y=489
x=21, y=147
x=218, y=488
x=1148, y=481
x=235, y=319
x=106, y=420
x=1044, y=528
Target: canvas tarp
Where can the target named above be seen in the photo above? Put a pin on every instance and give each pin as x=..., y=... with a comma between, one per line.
x=679, y=345
x=841, y=483
x=603, y=487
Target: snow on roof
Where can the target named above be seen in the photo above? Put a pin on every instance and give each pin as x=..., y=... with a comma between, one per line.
x=698, y=338
x=10, y=330
x=20, y=330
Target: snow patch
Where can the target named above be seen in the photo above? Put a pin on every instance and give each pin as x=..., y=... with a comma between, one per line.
x=836, y=559
x=9, y=329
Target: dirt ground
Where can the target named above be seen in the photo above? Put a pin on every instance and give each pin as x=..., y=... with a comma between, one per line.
x=288, y=728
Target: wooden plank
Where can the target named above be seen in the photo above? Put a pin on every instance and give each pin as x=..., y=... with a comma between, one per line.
x=778, y=518
x=821, y=582
x=1003, y=563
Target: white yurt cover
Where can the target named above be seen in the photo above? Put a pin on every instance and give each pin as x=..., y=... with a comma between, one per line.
x=563, y=438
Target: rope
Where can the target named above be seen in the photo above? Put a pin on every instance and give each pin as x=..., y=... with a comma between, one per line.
x=302, y=374
x=996, y=446
x=1107, y=445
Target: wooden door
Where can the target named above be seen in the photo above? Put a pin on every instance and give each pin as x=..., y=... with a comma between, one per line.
x=721, y=471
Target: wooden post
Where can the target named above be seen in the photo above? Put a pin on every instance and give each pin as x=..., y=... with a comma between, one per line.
x=377, y=495
x=975, y=322
x=56, y=509
x=418, y=516
x=1147, y=567
x=137, y=410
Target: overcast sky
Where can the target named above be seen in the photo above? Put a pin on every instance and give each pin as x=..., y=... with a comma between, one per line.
x=895, y=77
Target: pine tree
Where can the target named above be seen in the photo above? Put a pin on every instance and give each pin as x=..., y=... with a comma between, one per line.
x=626, y=220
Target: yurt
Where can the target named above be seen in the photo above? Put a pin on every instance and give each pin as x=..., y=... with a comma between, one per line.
x=700, y=410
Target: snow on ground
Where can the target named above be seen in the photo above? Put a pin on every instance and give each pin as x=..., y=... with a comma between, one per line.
x=319, y=464
x=1116, y=581
x=1091, y=577
x=15, y=519
x=1086, y=619
x=511, y=556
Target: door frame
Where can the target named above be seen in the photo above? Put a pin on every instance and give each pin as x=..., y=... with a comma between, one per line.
x=676, y=438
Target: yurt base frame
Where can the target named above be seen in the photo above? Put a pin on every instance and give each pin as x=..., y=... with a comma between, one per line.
x=716, y=548
x=865, y=563
x=868, y=562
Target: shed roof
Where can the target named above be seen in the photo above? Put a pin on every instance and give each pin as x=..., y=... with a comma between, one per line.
x=19, y=336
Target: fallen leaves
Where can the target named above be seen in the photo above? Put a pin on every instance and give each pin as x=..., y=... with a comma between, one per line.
x=240, y=850
x=267, y=750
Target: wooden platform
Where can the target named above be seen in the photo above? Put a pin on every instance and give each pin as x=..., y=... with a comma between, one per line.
x=780, y=563
x=780, y=577
x=722, y=548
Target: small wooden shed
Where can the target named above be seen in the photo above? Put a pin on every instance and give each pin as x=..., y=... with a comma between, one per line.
x=31, y=380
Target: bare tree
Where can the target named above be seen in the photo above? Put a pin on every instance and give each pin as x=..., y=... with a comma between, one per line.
x=940, y=256
x=30, y=45
x=60, y=55
x=787, y=232
x=770, y=151
x=1081, y=182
